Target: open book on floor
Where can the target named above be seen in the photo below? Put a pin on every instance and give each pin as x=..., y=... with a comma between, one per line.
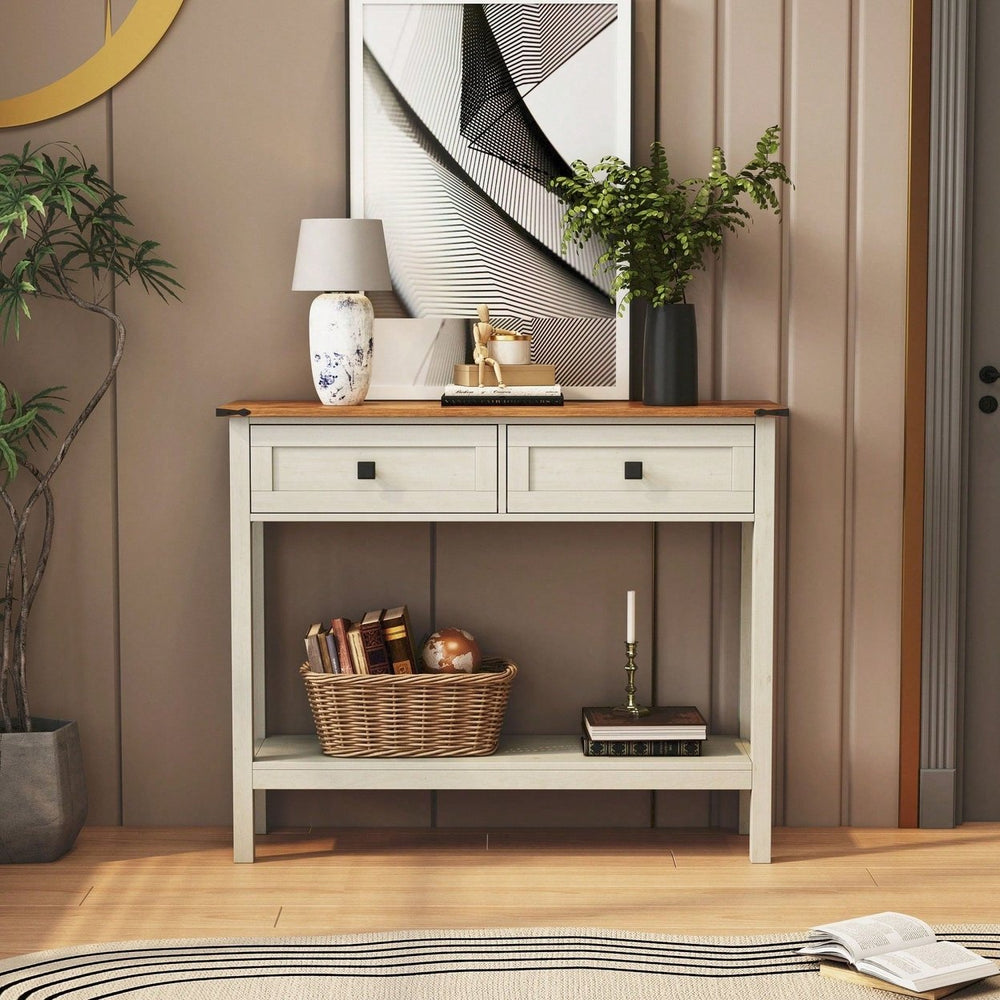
x=900, y=950
x=846, y=974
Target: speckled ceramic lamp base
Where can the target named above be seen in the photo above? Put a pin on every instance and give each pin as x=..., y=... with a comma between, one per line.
x=340, y=347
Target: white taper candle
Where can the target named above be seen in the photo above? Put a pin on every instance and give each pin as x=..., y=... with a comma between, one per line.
x=630, y=616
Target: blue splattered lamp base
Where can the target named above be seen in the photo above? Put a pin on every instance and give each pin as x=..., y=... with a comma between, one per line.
x=340, y=347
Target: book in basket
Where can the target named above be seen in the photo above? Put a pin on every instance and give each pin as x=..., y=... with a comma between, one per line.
x=898, y=950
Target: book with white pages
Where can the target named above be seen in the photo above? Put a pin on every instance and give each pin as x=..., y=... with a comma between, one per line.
x=898, y=949
x=502, y=390
x=667, y=722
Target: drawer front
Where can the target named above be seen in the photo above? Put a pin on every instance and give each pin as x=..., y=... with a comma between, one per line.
x=682, y=469
x=412, y=469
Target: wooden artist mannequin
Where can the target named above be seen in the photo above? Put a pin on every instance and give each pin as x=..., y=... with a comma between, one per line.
x=483, y=332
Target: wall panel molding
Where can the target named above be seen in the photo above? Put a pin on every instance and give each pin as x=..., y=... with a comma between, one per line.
x=820, y=80
x=947, y=350
x=911, y=610
x=774, y=319
x=877, y=303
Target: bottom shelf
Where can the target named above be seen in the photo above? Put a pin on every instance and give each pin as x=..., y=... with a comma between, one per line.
x=521, y=762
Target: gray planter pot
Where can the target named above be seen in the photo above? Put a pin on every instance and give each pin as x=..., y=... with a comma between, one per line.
x=42, y=791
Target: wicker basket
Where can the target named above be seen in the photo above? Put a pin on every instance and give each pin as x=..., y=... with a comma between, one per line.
x=409, y=715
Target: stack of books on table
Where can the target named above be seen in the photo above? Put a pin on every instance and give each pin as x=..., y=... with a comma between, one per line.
x=666, y=731
x=380, y=643
x=524, y=385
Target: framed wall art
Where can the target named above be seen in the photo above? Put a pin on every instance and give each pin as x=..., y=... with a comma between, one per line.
x=460, y=115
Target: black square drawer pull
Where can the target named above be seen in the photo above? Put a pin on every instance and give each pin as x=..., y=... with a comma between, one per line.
x=633, y=470
x=366, y=470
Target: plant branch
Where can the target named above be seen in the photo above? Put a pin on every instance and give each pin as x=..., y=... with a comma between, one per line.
x=15, y=643
x=59, y=221
x=8, y=613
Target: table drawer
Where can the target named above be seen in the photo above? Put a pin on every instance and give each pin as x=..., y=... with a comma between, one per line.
x=412, y=469
x=687, y=469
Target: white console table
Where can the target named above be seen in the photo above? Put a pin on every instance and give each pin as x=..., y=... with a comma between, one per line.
x=302, y=461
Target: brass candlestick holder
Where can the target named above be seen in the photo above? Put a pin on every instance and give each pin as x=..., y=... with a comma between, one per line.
x=631, y=707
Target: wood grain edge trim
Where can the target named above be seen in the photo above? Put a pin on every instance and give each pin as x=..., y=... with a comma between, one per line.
x=911, y=624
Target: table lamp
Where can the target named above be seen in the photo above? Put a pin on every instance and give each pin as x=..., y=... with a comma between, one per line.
x=338, y=257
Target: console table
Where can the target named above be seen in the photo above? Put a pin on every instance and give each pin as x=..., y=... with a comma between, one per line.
x=584, y=461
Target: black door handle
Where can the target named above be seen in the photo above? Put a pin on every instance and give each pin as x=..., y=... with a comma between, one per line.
x=988, y=374
x=633, y=470
x=366, y=470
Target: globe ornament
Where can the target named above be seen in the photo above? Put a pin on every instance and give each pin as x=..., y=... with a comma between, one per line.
x=451, y=651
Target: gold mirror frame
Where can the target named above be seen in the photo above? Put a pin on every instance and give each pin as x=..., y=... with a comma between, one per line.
x=121, y=52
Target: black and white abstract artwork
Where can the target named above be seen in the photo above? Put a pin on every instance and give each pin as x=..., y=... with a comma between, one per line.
x=461, y=114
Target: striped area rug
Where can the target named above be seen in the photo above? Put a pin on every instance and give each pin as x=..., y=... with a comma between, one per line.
x=511, y=964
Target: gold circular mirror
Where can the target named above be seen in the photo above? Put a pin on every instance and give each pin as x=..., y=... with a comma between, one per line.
x=121, y=52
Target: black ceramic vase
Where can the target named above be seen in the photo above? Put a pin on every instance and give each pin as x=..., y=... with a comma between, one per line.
x=670, y=356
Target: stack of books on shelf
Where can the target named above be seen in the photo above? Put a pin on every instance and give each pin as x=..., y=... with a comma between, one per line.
x=380, y=643
x=666, y=731
x=524, y=385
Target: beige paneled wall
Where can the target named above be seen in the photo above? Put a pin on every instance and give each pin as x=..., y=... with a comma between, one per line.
x=247, y=110
x=878, y=285
x=72, y=645
x=685, y=121
x=820, y=147
x=234, y=129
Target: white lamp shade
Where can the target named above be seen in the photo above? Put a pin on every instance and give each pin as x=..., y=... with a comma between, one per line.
x=341, y=255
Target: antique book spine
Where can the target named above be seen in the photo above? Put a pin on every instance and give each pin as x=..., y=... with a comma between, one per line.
x=330, y=641
x=338, y=629
x=399, y=640
x=373, y=644
x=312, y=641
x=641, y=748
x=357, y=650
x=502, y=400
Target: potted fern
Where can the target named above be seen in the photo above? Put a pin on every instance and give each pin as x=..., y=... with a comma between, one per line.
x=64, y=235
x=658, y=232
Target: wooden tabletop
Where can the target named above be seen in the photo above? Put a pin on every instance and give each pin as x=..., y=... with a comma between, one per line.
x=429, y=408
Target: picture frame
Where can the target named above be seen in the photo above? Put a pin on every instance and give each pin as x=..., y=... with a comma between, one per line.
x=457, y=122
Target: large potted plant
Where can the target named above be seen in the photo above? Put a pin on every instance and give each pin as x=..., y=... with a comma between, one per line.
x=64, y=235
x=658, y=231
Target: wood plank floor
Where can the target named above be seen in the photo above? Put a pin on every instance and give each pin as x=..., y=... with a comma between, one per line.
x=125, y=884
